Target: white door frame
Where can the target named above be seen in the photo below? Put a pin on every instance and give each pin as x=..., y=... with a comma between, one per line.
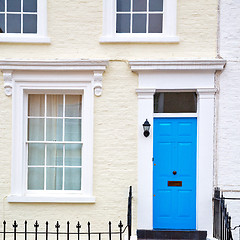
x=177, y=76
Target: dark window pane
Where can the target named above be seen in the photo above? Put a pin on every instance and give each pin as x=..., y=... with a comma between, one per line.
x=123, y=5
x=54, y=178
x=155, y=23
x=14, y=5
x=139, y=5
x=2, y=5
x=139, y=23
x=155, y=5
x=29, y=23
x=14, y=23
x=170, y=102
x=30, y=5
x=123, y=23
x=2, y=23
x=72, y=179
x=36, y=178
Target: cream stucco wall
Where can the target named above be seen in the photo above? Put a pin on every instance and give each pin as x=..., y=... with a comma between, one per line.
x=75, y=28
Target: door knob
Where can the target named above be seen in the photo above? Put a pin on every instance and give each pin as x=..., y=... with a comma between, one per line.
x=174, y=172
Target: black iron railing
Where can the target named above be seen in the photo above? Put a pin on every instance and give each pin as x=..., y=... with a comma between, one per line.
x=37, y=232
x=129, y=214
x=222, y=220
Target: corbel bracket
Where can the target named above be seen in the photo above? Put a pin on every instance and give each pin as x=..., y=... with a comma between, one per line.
x=7, y=77
x=98, y=76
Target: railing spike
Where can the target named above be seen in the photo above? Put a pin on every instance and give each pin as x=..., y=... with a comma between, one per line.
x=57, y=225
x=78, y=225
x=15, y=225
x=36, y=225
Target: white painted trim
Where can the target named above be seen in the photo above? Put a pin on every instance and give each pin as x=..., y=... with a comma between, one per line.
x=188, y=75
x=7, y=77
x=88, y=65
x=214, y=64
x=48, y=199
x=97, y=67
x=109, y=34
x=156, y=38
x=75, y=77
x=23, y=38
x=174, y=115
x=40, y=37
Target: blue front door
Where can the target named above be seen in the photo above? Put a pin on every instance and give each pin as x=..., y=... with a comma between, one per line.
x=174, y=173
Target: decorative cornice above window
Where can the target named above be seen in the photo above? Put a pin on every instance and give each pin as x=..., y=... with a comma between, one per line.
x=97, y=67
x=215, y=64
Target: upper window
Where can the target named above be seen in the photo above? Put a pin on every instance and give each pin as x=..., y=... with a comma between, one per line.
x=139, y=21
x=139, y=16
x=23, y=21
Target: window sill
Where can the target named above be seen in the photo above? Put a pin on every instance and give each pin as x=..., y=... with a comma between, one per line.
x=24, y=39
x=139, y=39
x=51, y=199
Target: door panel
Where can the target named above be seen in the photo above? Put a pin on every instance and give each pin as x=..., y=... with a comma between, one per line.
x=174, y=149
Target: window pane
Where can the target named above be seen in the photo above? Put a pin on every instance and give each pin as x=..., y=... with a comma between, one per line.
x=54, y=105
x=2, y=5
x=35, y=178
x=139, y=23
x=155, y=5
x=123, y=5
x=55, y=154
x=155, y=23
x=175, y=102
x=36, y=104
x=73, y=154
x=36, y=129
x=54, y=178
x=30, y=5
x=14, y=5
x=139, y=5
x=123, y=23
x=73, y=130
x=29, y=23
x=72, y=179
x=14, y=23
x=36, y=154
x=2, y=23
x=73, y=105
x=54, y=129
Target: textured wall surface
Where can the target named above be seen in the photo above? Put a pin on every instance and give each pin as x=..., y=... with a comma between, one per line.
x=228, y=140
x=75, y=28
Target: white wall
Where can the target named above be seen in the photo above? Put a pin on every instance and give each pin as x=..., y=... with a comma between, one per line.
x=227, y=167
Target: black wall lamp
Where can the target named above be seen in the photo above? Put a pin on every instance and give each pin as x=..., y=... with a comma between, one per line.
x=146, y=128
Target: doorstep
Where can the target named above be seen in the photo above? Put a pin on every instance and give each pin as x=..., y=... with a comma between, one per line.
x=171, y=234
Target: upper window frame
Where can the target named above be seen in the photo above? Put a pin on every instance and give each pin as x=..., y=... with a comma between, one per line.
x=39, y=37
x=168, y=35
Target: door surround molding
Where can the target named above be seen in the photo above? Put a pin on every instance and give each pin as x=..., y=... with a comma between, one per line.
x=180, y=76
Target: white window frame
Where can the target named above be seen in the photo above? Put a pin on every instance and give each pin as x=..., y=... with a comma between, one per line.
x=169, y=25
x=85, y=170
x=71, y=77
x=39, y=37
